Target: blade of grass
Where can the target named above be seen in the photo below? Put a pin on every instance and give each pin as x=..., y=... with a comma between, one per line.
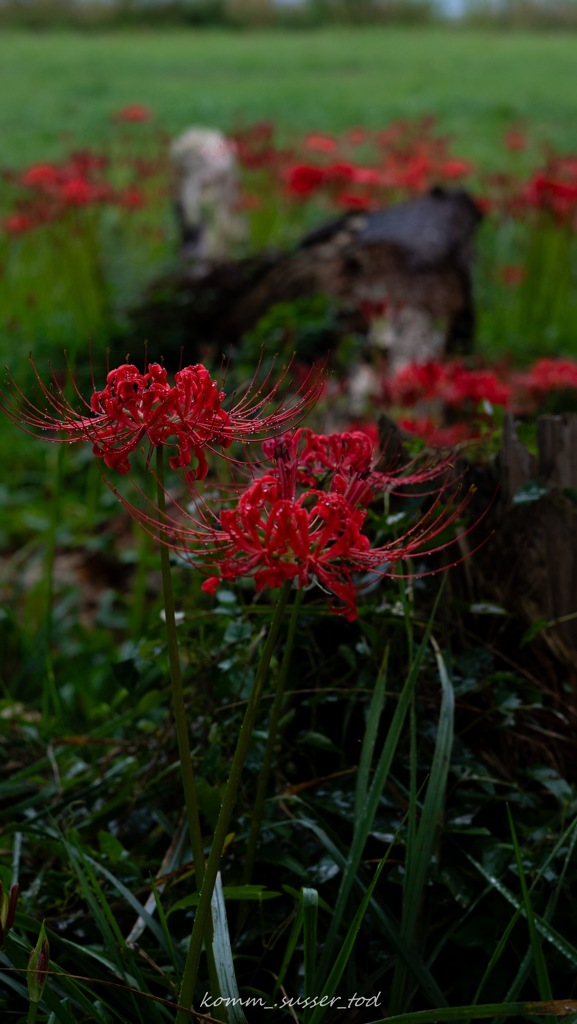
x=541, y=972
x=555, y=1008
x=290, y=946
x=223, y=956
x=388, y=925
x=567, y=949
x=105, y=920
x=421, y=838
x=364, y=820
x=310, y=905
x=523, y=972
x=130, y=898
x=332, y=982
x=176, y=959
x=374, y=713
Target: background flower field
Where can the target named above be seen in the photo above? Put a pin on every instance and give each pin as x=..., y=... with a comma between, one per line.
x=420, y=805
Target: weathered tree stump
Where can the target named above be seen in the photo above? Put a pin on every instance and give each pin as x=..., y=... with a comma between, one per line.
x=413, y=260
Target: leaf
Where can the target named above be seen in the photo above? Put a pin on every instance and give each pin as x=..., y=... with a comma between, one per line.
x=421, y=840
x=529, y=492
x=543, y=981
x=223, y=957
x=255, y=893
x=346, y=948
x=555, y=1008
x=534, y=630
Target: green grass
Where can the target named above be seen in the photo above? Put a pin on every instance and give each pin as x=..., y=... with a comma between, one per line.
x=57, y=86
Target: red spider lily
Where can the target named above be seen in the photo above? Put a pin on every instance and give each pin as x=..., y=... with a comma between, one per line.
x=436, y=436
x=512, y=274
x=416, y=382
x=281, y=528
x=303, y=179
x=69, y=180
x=316, y=537
x=41, y=176
x=255, y=145
x=515, y=139
x=452, y=169
x=18, y=223
x=544, y=376
x=187, y=416
x=80, y=192
x=132, y=198
x=339, y=173
x=345, y=464
x=553, y=189
x=352, y=201
x=473, y=386
x=133, y=112
x=321, y=143
x=51, y=190
x=452, y=383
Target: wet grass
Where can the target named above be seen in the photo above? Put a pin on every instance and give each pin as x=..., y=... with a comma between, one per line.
x=60, y=84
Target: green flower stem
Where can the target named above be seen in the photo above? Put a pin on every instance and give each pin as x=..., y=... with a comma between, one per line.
x=32, y=1013
x=181, y=720
x=51, y=703
x=138, y=603
x=213, y=863
x=273, y=724
x=180, y=716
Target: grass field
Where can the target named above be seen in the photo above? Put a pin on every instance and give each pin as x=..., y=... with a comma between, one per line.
x=55, y=85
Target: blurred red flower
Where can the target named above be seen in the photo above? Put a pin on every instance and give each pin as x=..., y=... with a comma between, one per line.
x=513, y=273
x=133, y=112
x=515, y=139
x=302, y=179
x=321, y=143
x=18, y=223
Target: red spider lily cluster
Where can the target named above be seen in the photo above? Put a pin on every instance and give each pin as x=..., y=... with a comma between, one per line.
x=554, y=189
x=360, y=169
x=365, y=169
x=549, y=191
x=455, y=403
x=187, y=416
x=302, y=518
x=454, y=384
x=45, y=192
